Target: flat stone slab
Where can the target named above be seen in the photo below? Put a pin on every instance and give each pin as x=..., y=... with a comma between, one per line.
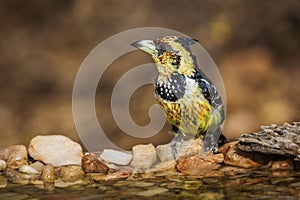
x=274, y=139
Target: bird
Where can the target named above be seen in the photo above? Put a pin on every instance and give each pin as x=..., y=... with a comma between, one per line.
x=191, y=102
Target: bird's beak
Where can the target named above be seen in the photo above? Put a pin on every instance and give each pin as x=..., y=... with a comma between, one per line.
x=147, y=46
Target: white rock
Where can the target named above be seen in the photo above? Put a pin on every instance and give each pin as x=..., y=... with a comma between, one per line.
x=143, y=157
x=28, y=170
x=56, y=150
x=2, y=165
x=116, y=157
x=14, y=156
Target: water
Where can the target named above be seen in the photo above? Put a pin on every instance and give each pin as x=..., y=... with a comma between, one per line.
x=228, y=184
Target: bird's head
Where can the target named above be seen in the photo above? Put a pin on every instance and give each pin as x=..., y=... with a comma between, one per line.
x=171, y=54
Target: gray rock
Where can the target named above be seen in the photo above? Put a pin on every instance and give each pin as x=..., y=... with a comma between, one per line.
x=14, y=156
x=56, y=150
x=276, y=140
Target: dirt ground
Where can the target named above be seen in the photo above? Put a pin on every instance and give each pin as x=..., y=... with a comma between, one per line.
x=255, y=45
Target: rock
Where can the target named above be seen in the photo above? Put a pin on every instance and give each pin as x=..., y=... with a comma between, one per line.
x=48, y=174
x=235, y=159
x=19, y=178
x=143, y=157
x=186, y=147
x=2, y=165
x=56, y=150
x=69, y=173
x=14, y=156
x=275, y=140
x=194, y=165
x=116, y=157
x=91, y=164
x=282, y=165
x=28, y=170
x=38, y=166
x=167, y=165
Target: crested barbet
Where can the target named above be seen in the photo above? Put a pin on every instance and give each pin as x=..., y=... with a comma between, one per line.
x=191, y=102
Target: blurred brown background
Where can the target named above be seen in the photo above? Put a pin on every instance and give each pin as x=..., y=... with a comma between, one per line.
x=255, y=44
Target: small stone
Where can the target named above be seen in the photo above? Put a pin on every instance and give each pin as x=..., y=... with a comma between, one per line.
x=19, y=178
x=167, y=165
x=116, y=157
x=143, y=157
x=2, y=165
x=69, y=173
x=48, y=174
x=56, y=150
x=28, y=170
x=38, y=166
x=164, y=152
x=282, y=165
x=235, y=159
x=91, y=164
x=14, y=156
x=194, y=165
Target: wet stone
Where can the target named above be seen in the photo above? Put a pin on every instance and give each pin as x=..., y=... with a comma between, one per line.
x=91, y=164
x=235, y=159
x=194, y=165
x=69, y=173
x=14, y=156
x=116, y=157
x=57, y=150
x=282, y=165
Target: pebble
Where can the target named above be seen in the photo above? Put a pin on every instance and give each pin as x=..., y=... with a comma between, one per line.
x=194, y=165
x=2, y=165
x=112, y=176
x=282, y=165
x=235, y=159
x=91, y=164
x=116, y=157
x=69, y=173
x=57, y=150
x=38, y=166
x=143, y=157
x=28, y=170
x=48, y=174
x=14, y=156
